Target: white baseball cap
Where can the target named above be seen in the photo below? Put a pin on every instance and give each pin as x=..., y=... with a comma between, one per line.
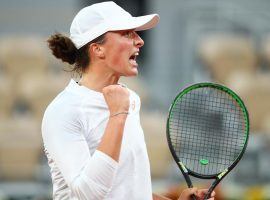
x=97, y=19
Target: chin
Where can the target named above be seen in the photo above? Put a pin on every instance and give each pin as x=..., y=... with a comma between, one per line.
x=130, y=71
x=134, y=73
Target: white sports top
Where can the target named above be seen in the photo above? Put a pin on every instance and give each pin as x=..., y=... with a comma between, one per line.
x=72, y=127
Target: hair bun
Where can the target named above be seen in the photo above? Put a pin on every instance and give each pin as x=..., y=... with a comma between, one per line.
x=63, y=48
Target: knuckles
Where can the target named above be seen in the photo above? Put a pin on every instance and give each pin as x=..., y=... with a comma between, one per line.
x=115, y=89
x=116, y=97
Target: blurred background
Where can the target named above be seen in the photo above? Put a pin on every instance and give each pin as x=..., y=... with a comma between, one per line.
x=222, y=41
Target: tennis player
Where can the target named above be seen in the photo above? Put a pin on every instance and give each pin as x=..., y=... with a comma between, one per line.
x=92, y=135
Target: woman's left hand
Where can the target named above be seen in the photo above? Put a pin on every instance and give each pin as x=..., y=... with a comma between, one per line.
x=199, y=194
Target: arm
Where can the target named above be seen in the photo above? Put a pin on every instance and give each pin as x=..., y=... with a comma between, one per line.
x=117, y=99
x=88, y=176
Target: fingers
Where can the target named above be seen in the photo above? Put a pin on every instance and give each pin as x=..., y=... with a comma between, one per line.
x=199, y=193
x=202, y=192
x=213, y=194
x=117, y=98
x=191, y=191
x=187, y=193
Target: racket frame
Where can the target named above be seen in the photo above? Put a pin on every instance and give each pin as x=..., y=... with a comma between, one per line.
x=185, y=171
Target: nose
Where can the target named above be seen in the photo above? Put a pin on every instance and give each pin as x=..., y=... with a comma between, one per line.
x=138, y=41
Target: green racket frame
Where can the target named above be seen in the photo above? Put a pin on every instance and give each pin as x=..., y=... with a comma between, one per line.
x=185, y=171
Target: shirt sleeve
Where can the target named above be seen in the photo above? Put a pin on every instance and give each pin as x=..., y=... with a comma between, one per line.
x=88, y=176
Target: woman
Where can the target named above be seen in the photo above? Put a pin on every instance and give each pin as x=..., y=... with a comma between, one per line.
x=92, y=135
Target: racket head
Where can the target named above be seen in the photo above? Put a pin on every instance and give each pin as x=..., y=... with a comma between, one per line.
x=207, y=130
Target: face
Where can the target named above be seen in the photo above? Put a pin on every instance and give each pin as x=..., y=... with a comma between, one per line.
x=121, y=49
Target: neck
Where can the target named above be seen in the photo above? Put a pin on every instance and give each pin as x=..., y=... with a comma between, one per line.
x=96, y=79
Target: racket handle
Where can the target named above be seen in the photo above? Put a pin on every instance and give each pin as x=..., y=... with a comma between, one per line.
x=193, y=197
x=211, y=189
x=188, y=181
x=190, y=185
x=208, y=194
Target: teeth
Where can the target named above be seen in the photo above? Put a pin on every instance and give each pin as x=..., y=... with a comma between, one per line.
x=133, y=57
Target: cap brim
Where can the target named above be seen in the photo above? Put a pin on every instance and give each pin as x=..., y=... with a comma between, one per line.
x=146, y=22
x=137, y=23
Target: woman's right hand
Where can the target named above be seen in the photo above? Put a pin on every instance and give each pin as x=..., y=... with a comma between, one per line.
x=117, y=98
x=199, y=194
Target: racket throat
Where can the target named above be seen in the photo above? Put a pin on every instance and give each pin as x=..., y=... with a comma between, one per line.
x=222, y=174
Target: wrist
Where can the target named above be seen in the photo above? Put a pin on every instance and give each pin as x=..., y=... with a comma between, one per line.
x=120, y=118
x=121, y=113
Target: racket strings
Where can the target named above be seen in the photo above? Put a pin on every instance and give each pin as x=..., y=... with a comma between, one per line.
x=214, y=138
x=208, y=124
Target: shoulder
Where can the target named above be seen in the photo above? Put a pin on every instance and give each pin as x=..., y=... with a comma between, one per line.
x=65, y=107
x=62, y=118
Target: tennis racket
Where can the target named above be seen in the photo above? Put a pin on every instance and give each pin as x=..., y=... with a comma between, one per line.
x=207, y=132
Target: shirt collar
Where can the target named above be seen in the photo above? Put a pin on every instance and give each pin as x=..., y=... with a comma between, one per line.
x=74, y=87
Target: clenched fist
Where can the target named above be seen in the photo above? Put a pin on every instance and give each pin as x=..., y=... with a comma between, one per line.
x=117, y=98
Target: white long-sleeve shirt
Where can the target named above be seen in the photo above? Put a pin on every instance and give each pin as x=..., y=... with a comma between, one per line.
x=72, y=127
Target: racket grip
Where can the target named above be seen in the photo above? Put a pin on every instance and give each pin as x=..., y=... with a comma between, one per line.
x=189, y=183
x=193, y=197
x=208, y=194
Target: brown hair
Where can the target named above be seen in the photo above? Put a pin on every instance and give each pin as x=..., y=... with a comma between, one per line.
x=63, y=48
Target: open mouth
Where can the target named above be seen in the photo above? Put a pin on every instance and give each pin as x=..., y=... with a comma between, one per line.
x=132, y=58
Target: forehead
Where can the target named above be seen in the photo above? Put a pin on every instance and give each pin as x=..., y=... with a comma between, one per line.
x=120, y=31
x=112, y=35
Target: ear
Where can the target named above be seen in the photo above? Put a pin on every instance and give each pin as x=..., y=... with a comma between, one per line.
x=97, y=50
